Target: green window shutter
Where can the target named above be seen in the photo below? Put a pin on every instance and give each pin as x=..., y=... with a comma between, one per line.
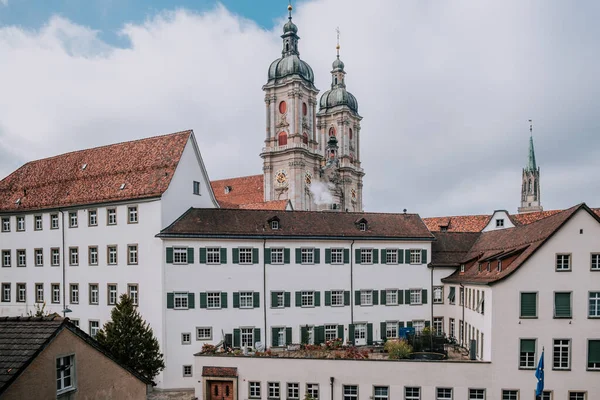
x=273, y=299
x=452, y=294
x=351, y=333
x=317, y=299
x=298, y=256
x=256, y=335
x=400, y=297
x=202, y=255
x=235, y=255
x=327, y=256
x=407, y=296
x=236, y=299
x=303, y=334
x=375, y=256
x=286, y=256
x=346, y=297
x=369, y=334
x=562, y=305
x=256, y=299
x=407, y=256
x=190, y=255
x=375, y=297
x=424, y=256
x=383, y=297
x=340, y=333
x=267, y=255
x=203, y=300
x=286, y=299
x=317, y=256
x=223, y=299
x=254, y=256
x=274, y=337
x=298, y=299
x=327, y=298
x=319, y=334
x=191, y=300
x=236, y=338
x=346, y=256
x=528, y=305
x=169, y=255
x=382, y=327
x=356, y=260
x=424, y=296
x=357, y=297
x=170, y=300
x=409, y=324
x=223, y=255
x=288, y=335
x=593, y=351
x=400, y=256
x=383, y=256
x=527, y=345
x=400, y=325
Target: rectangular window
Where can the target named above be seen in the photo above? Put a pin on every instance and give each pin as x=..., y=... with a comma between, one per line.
x=307, y=299
x=391, y=256
x=593, y=355
x=65, y=374
x=132, y=214
x=132, y=254
x=510, y=394
x=93, y=255
x=380, y=393
x=254, y=390
x=21, y=292
x=112, y=255
x=39, y=257
x=529, y=305
x=350, y=392
x=213, y=255
x=337, y=298
x=476, y=394
x=92, y=217
x=53, y=221
x=366, y=297
x=111, y=216
x=180, y=255
x=112, y=294
x=55, y=293
x=181, y=300
x=6, y=292
x=563, y=262
x=594, y=305
x=438, y=294
x=391, y=297
x=247, y=337
x=196, y=188
x=443, y=394
x=273, y=390
x=94, y=328
x=39, y=292
x=186, y=338
x=55, y=257
x=415, y=296
x=337, y=256
x=527, y=354
x=276, y=256
x=213, y=300
x=312, y=390
x=73, y=256
x=6, y=261
x=561, y=350
x=203, y=333
x=595, y=262
x=419, y=326
x=293, y=391
x=438, y=325
x=280, y=336
x=94, y=294
x=412, y=393
x=415, y=256
x=20, y=224
x=246, y=300
x=452, y=328
x=331, y=332
x=73, y=219
x=562, y=304
x=38, y=223
x=461, y=298
x=5, y=224
x=546, y=395
x=366, y=256
x=74, y=293
x=391, y=329
x=278, y=300
x=245, y=254
x=577, y=395
x=187, y=371
x=133, y=293
x=21, y=258
x=307, y=256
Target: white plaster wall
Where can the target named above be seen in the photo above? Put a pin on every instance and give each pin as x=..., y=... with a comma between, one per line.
x=498, y=214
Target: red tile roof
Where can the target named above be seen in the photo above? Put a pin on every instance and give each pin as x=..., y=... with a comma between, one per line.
x=145, y=166
x=463, y=223
x=219, y=372
x=266, y=205
x=242, y=190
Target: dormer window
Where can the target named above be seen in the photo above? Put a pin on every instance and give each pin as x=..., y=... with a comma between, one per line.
x=479, y=267
x=499, y=266
x=275, y=225
x=500, y=223
x=362, y=226
x=443, y=229
x=227, y=189
x=489, y=266
x=462, y=267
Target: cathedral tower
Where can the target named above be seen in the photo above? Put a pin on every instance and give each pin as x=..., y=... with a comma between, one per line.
x=530, y=189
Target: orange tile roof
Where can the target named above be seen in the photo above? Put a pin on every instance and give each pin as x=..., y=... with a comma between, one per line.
x=145, y=166
x=242, y=190
x=463, y=223
x=277, y=205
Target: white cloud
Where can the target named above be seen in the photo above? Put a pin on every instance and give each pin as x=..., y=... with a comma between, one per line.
x=4, y=2
x=445, y=90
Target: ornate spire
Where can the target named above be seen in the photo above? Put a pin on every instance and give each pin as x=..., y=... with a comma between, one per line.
x=290, y=37
x=531, y=165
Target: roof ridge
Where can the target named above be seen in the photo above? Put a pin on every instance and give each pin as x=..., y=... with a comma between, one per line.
x=307, y=211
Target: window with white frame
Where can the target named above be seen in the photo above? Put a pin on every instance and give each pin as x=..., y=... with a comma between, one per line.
x=73, y=256
x=563, y=262
x=94, y=328
x=39, y=257
x=331, y=332
x=380, y=393
x=510, y=394
x=595, y=263
x=273, y=390
x=74, y=296
x=92, y=217
x=438, y=325
x=415, y=296
x=593, y=355
x=6, y=292
x=213, y=300
x=74, y=322
x=38, y=223
x=594, y=305
x=293, y=390
x=246, y=300
x=203, y=333
x=362, y=226
x=337, y=297
x=180, y=300
x=452, y=328
x=53, y=221
x=366, y=256
x=412, y=393
x=254, y=390
x=546, y=395
x=245, y=255
x=20, y=224
x=21, y=292
x=277, y=256
x=391, y=256
x=187, y=371
x=350, y=392
x=280, y=335
x=21, y=258
x=577, y=395
x=180, y=255
x=132, y=214
x=186, y=338
x=278, y=300
x=39, y=292
x=366, y=297
x=93, y=255
x=307, y=299
x=337, y=256
x=561, y=354
x=133, y=293
x=360, y=332
x=247, y=337
x=6, y=259
x=312, y=390
x=391, y=329
x=443, y=394
x=307, y=256
x=111, y=216
x=65, y=374
x=476, y=394
x=5, y=224
x=438, y=294
x=112, y=294
x=275, y=225
x=213, y=255
x=196, y=188
x=391, y=297
x=55, y=293
x=527, y=353
x=132, y=254
x=73, y=219
x=419, y=325
x=112, y=255
x=94, y=294
x=415, y=256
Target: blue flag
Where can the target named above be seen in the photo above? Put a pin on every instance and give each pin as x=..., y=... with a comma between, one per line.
x=539, y=374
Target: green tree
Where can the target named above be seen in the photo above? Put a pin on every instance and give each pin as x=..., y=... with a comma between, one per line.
x=130, y=339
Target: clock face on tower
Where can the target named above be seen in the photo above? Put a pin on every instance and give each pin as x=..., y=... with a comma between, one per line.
x=281, y=178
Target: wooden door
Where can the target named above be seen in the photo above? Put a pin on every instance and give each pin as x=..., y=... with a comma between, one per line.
x=221, y=390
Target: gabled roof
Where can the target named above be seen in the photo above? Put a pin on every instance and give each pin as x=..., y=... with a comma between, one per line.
x=450, y=248
x=204, y=222
x=233, y=192
x=22, y=339
x=145, y=168
x=513, y=245
x=276, y=205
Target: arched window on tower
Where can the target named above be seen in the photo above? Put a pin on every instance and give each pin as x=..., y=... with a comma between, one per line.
x=335, y=80
x=304, y=138
x=350, y=133
x=332, y=131
x=304, y=109
x=282, y=139
x=529, y=186
x=287, y=47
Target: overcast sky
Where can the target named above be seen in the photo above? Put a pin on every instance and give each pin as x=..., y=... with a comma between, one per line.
x=445, y=88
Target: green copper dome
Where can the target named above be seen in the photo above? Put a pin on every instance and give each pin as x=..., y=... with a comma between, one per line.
x=338, y=64
x=291, y=65
x=338, y=96
x=290, y=27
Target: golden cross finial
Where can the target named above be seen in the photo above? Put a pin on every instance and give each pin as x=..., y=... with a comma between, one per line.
x=290, y=8
x=338, y=40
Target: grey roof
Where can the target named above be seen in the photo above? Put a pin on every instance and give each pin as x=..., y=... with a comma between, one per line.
x=531, y=165
x=291, y=65
x=338, y=96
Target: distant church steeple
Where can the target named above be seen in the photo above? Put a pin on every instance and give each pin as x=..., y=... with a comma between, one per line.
x=530, y=189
